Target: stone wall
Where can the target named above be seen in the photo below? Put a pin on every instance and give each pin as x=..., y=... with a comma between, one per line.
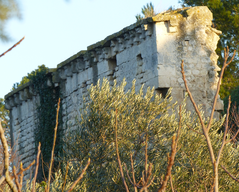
x=149, y=51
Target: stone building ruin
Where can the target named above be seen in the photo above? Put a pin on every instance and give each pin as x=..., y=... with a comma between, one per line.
x=149, y=51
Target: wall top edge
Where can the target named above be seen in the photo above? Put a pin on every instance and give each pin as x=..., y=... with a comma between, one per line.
x=77, y=55
x=17, y=90
x=172, y=16
x=164, y=16
x=105, y=42
x=26, y=85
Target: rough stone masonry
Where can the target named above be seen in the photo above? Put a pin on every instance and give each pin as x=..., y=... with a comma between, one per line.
x=149, y=51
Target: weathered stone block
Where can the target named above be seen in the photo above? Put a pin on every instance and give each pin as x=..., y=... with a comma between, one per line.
x=169, y=70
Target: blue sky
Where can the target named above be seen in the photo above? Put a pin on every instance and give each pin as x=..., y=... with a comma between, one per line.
x=57, y=29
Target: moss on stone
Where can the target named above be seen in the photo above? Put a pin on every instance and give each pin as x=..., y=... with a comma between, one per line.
x=20, y=88
x=79, y=54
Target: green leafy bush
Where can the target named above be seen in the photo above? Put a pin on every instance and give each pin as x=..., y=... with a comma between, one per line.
x=41, y=71
x=139, y=115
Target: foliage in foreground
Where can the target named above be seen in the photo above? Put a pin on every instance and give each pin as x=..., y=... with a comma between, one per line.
x=56, y=185
x=4, y=115
x=8, y=10
x=13, y=181
x=139, y=115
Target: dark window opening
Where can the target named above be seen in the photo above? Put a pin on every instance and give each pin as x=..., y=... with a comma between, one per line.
x=162, y=91
x=112, y=63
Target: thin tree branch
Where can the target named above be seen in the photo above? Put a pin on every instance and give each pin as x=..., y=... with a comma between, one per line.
x=143, y=179
x=205, y=130
x=23, y=170
x=132, y=170
x=2, y=179
x=42, y=164
x=233, y=138
x=129, y=176
x=149, y=172
x=169, y=167
x=234, y=178
x=225, y=64
x=80, y=177
x=171, y=182
x=6, y=160
x=118, y=157
x=195, y=131
x=21, y=174
x=36, y=170
x=191, y=97
x=63, y=187
x=146, y=156
x=53, y=147
x=16, y=179
x=225, y=132
x=147, y=186
x=173, y=154
x=12, y=47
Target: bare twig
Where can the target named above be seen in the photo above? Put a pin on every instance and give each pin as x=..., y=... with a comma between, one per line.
x=173, y=154
x=23, y=170
x=118, y=157
x=63, y=187
x=147, y=185
x=225, y=132
x=205, y=129
x=195, y=131
x=21, y=174
x=80, y=177
x=129, y=176
x=36, y=170
x=191, y=97
x=225, y=64
x=16, y=179
x=2, y=179
x=12, y=47
x=132, y=170
x=234, y=178
x=53, y=147
x=171, y=183
x=42, y=164
x=169, y=167
x=149, y=173
x=146, y=156
x=6, y=160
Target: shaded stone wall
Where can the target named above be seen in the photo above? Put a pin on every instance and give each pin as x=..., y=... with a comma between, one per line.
x=149, y=51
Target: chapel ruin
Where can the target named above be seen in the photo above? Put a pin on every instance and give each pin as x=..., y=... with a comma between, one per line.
x=150, y=51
